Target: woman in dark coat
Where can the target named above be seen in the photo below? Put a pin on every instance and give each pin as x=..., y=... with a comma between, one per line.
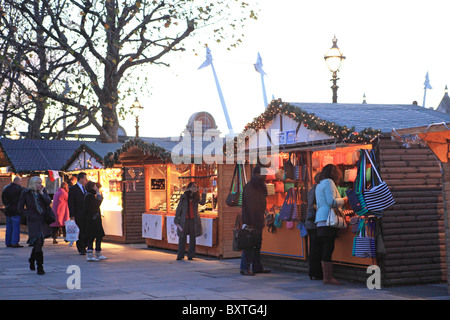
x=34, y=204
x=93, y=227
x=188, y=220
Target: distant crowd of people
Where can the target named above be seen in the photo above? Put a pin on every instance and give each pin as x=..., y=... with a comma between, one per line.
x=78, y=199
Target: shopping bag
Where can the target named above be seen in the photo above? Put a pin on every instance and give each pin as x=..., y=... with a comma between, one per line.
x=72, y=230
x=379, y=197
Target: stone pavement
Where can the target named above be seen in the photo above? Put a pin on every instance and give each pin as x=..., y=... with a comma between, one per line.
x=135, y=272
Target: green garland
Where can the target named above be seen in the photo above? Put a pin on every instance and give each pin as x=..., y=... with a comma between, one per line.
x=312, y=122
x=113, y=158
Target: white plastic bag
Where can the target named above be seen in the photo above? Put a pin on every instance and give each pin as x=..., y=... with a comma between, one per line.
x=72, y=231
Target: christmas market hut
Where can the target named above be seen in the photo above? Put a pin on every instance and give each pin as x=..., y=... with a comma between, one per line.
x=152, y=201
x=310, y=135
x=26, y=158
x=89, y=158
x=437, y=137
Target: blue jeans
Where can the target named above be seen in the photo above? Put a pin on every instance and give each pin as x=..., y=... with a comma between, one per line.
x=12, y=235
x=251, y=257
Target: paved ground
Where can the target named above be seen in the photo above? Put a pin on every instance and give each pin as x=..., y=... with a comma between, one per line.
x=134, y=272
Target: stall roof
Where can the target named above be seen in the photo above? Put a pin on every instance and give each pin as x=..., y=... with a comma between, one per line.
x=378, y=116
x=149, y=150
x=96, y=150
x=35, y=156
x=436, y=136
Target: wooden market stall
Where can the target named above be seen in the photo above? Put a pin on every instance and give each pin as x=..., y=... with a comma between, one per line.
x=27, y=158
x=437, y=138
x=89, y=158
x=155, y=198
x=412, y=230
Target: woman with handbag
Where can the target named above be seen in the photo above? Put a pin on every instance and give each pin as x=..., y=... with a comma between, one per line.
x=327, y=197
x=188, y=220
x=34, y=204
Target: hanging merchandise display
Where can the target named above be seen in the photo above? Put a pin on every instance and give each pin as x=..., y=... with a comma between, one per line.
x=379, y=197
x=289, y=207
x=355, y=195
x=270, y=189
x=289, y=168
x=234, y=198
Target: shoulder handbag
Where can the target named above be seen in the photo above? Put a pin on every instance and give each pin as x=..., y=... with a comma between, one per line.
x=379, y=197
x=355, y=195
x=336, y=219
x=49, y=215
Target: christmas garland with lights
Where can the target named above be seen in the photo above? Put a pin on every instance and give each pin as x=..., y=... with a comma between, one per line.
x=152, y=149
x=312, y=122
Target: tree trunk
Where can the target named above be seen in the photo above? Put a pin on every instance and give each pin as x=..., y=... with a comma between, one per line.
x=110, y=125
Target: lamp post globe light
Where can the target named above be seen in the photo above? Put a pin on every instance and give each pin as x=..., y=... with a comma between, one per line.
x=136, y=108
x=334, y=59
x=14, y=135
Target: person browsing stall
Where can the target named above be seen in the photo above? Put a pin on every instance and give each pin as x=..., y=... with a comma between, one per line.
x=327, y=197
x=188, y=220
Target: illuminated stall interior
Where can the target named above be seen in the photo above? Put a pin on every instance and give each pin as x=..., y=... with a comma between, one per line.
x=309, y=144
x=161, y=185
x=88, y=158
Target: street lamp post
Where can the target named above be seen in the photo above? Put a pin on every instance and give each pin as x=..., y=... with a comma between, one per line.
x=334, y=59
x=136, y=108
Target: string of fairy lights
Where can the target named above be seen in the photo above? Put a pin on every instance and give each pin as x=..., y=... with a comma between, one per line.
x=312, y=122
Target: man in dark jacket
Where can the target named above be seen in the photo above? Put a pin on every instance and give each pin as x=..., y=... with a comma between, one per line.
x=10, y=198
x=77, y=209
x=254, y=204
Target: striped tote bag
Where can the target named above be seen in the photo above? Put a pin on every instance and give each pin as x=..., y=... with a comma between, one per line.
x=363, y=245
x=379, y=197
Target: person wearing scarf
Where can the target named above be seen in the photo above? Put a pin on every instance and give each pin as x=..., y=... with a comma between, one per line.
x=188, y=220
x=34, y=204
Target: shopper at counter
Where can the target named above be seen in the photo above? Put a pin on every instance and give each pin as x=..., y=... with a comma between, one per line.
x=188, y=220
x=315, y=246
x=327, y=197
x=254, y=202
